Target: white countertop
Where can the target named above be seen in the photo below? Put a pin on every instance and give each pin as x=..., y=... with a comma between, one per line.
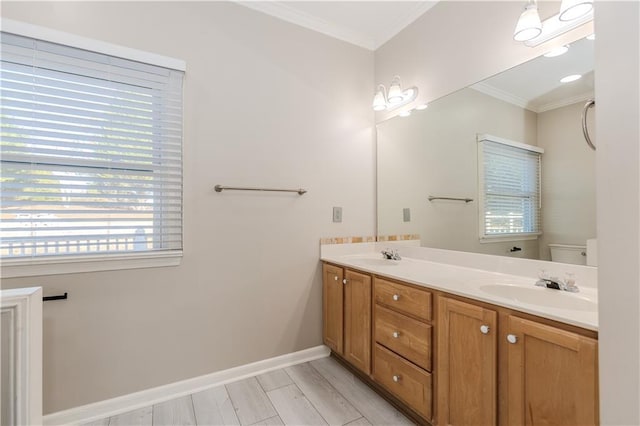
x=517, y=292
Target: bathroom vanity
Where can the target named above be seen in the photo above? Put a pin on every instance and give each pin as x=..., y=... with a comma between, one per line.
x=451, y=344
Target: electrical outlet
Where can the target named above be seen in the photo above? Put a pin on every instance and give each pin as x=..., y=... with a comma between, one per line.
x=337, y=214
x=406, y=214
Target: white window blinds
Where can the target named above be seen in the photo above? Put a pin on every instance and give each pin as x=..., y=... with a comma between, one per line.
x=509, y=188
x=91, y=152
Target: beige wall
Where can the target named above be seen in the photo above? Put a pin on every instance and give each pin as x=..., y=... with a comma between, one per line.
x=617, y=54
x=568, y=178
x=268, y=104
x=435, y=152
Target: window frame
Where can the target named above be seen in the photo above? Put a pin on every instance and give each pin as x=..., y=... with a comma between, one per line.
x=66, y=264
x=521, y=236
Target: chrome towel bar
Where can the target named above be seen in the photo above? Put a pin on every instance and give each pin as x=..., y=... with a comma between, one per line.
x=585, y=130
x=466, y=200
x=220, y=188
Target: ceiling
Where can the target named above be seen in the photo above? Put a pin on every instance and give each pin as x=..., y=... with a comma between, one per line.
x=367, y=24
x=535, y=85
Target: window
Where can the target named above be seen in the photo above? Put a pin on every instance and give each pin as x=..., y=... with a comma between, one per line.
x=509, y=186
x=91, y=150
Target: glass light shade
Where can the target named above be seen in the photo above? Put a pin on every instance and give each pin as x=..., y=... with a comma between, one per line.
x=529, y=25
x=395, y=92
x=422, y=107
x=574, y=9
x=379, y=102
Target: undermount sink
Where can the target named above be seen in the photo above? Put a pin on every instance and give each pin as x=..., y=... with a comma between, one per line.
x=541, y=296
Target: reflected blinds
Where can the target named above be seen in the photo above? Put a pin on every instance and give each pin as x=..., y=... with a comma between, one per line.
x=91, y=152
x=510, y=185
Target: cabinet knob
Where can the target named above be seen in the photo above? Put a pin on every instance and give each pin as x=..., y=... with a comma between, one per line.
x=335, y=278
x=396, y=334
x=396, y=378
x=484, y=329
x=396, y=297
x=512, y=338
x=344, y=281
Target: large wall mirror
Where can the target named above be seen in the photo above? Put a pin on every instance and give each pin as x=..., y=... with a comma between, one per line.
x=435, y=152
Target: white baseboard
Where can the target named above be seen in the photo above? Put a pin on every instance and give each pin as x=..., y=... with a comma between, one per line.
x=133, y=401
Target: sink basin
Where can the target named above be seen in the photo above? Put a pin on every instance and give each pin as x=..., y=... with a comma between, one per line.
x=541, y=296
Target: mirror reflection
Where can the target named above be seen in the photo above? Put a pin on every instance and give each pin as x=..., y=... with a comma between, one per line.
x=518, y=208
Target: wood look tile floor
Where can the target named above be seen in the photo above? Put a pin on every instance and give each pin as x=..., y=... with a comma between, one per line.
x=320, y=392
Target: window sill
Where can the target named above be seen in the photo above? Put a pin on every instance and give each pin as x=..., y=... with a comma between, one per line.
x=14, y=268
x=508, y=238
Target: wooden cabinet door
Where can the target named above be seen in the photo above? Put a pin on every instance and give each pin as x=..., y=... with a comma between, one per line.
x=552, y=375
x=466, y=364
x=332, y=307
x=357, y=320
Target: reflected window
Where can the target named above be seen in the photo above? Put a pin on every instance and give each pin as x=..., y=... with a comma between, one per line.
x=509, y=176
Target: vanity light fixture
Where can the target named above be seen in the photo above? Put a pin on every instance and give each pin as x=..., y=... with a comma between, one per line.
x=532, y=32
x=395, y=98
x=560, y=50
x=570, y=78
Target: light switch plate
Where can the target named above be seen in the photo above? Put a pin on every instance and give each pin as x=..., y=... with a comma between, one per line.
x=406, y=214
x=337, y=214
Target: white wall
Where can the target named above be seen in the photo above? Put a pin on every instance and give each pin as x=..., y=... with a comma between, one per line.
x=617, y=53
x=268, y=104
x=568, y=178
x=435, y=152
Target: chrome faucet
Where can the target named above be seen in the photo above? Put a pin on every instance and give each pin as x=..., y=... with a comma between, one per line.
x=390, y=254
x=547, y=281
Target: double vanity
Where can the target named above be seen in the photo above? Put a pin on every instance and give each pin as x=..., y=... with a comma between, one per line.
x=457, y=338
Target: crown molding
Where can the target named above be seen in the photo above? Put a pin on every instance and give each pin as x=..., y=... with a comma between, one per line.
x=295, y=16
x=502, y=95
x=564, y=102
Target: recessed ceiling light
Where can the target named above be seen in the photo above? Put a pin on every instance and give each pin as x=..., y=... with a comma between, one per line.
x=570, y=78
x=421, y=107
x=591, y=37
x=404, y=113
x=560, y=50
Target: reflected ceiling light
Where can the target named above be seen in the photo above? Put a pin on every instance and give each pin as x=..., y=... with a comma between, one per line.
x=532, y=32
x=591, y=37
x=529, y=25
x=404, y=113
x=560, y=50
x=395, y=98
x=421, y=107
x=574, y=9
x=570, y=78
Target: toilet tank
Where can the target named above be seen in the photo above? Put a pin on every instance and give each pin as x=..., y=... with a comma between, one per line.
x=568, y=253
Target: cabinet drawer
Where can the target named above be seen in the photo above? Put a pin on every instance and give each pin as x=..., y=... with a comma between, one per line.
x=408, y=382
x=404, y=335
x=403, y=298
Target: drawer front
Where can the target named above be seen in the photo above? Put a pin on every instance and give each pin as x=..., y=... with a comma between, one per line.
x=404, y=335
x=406, y=381
x=402, y=298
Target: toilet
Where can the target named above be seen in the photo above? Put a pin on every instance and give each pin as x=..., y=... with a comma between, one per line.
x=567, y=253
